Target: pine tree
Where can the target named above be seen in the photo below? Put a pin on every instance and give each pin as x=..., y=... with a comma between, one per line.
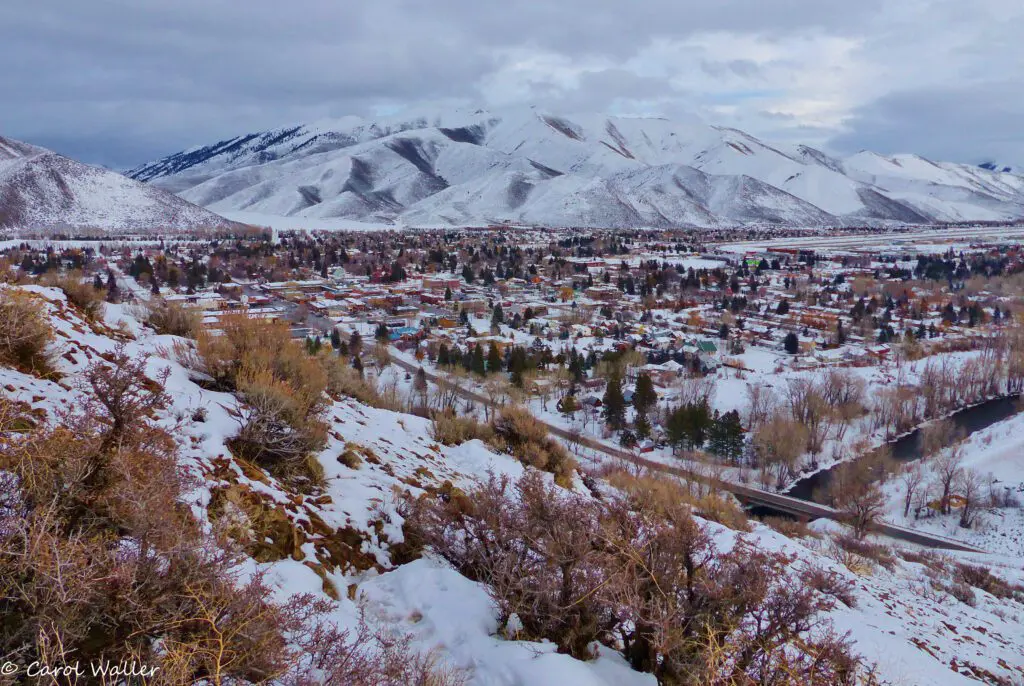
x=111, y=287
x=642, y=426
x=448, y=293
x=355, y=343
x=791, y=343
x=442, y=356
x=357, y=364
x=568, y=405
x=644, y=396
x=497, y=315
x=614, y=410
x=381, y=333
x=97, y=283
x=517, y=365
x=335, y=339
x=478, y=360
x=467, y=273
x=493, y=358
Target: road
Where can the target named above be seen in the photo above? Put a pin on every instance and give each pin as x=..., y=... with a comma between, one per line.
x=746, y=494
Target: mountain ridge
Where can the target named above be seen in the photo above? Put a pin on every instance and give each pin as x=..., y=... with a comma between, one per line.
x=532, y=167
x=41, y=189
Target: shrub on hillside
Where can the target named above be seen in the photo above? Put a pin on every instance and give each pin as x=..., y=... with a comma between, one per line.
x=527, y=439
x=171, y=318
x=280, y=427
x=281, y=386
x=79, y=291
x=25, y=332
x=102, y=558
x=647, y=582
x=449, y=429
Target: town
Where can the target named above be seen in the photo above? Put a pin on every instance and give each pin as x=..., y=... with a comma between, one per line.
x=659, y=342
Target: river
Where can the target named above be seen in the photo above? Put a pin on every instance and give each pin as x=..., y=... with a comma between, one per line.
x=907, y=448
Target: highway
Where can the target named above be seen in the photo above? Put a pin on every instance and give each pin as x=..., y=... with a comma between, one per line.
x=746, y=494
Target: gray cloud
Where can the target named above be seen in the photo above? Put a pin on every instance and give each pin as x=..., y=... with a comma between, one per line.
x=121, y=81
x=970, y=124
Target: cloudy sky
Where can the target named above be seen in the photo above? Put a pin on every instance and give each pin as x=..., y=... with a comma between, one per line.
x=120, y=82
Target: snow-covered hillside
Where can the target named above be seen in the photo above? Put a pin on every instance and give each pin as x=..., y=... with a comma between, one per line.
x=341, y=542
x=40, y=189
x=528, y=167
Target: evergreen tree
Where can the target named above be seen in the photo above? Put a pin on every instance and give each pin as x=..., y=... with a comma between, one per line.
x=568, y=405
x=357, y=364
x=154, y=285
x=111, y=287
x=493, y=358
x=335, y=339
x=627, y=439
x=644, y=396
x=791, y=343
x=783, y=307
x=517, y=365
x=614, y=410
x=442, y=356
x=381, y=333
x=497, y=315
x=467, y=273
x=448, y=293
x=688, y=426
x=355, y=343
x=642, y=426
x=478, y=360
x=97, y=282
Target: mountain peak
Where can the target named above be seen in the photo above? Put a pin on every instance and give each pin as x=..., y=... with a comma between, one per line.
x=527, y=165
x=41, y=189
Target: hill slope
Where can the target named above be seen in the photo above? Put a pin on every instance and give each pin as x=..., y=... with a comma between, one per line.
x=40, y=189
x=525, y=166
x=344, y=539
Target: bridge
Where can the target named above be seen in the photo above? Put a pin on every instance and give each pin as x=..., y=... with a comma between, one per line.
x=748, y=495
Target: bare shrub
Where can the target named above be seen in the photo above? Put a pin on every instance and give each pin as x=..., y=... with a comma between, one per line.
x=793, y=528
x=664, y=495
x=280, y=425
x=831, y=584
x=170, y=318
x=527, y=439
x=984, y=580
x=646, y=581
x=25, y=332
x=79, y=291
x=100, y=558
x=449, y=429
x=877, y=553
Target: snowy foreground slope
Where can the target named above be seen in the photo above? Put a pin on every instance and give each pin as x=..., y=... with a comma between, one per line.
x=525, y=166
x=915, y=633
x=40, y=189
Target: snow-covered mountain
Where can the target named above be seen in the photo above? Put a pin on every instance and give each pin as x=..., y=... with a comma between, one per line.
x=40, y=189
x=526, y=166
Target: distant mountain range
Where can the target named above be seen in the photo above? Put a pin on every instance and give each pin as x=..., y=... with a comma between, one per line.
x=40, y=189
x=529, y=167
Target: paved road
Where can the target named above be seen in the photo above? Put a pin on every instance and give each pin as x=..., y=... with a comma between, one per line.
x=747, y=494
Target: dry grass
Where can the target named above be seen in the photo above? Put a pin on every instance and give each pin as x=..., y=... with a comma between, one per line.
x=25, y=332
x=79, y=292
x=170, y=318
x=526, y=438
x=448, y=429
x=665, y=495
